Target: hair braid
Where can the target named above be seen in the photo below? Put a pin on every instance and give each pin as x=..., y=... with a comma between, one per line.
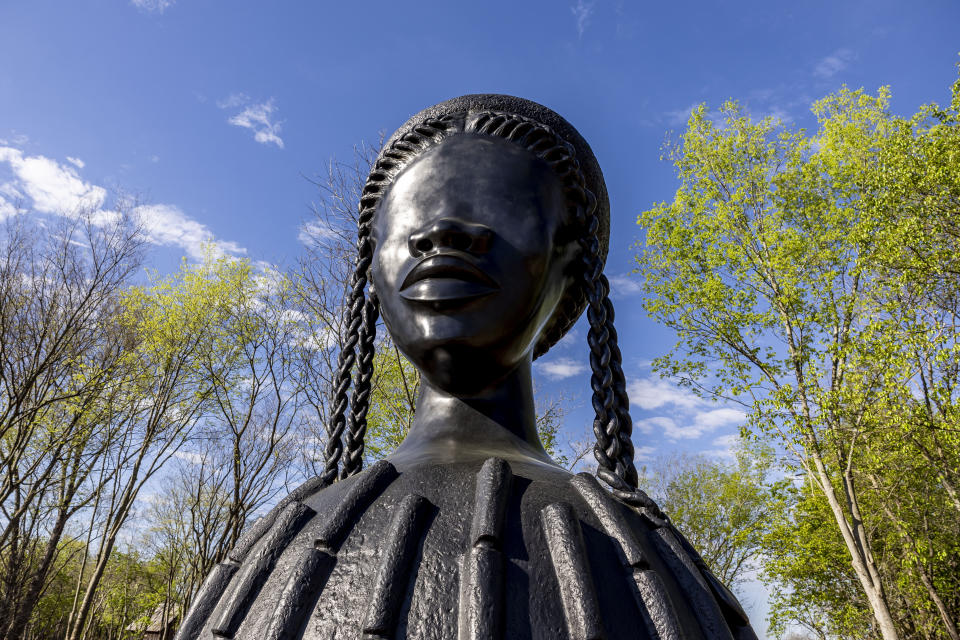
x=606, y=422
x=619, y=385
x=360, y=401
x=352, y=319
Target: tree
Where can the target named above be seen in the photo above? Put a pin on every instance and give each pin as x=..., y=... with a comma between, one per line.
x=724, y=509
x=61, y=352
x=244, y=448
x=806, y=277
x=163, y=391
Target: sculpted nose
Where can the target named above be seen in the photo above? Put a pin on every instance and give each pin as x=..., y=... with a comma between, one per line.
x=450, y=234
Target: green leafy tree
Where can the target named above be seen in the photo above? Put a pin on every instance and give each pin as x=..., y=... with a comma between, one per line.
x=809, y=277
x=805, y=566
x=724, y=508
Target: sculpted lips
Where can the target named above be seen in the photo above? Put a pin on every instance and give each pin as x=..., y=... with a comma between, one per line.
x=445, y=277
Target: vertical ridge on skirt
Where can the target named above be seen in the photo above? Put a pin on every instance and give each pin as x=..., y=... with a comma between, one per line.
x=207, y=598
x=655, y=605
x=255, y=570
x=398, y=551
x=365, y=487
x=260, y=527
x=314, y=565
x=309, y=574
x=577, y=592
x=728, y=602
x=695, y=587
x=481, y=576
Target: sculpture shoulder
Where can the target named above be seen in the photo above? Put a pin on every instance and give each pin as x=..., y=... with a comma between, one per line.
x=491, y=549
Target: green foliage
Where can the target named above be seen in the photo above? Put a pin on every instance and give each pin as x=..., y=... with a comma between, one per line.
x=392, y=400
x=806, y=568
x=724, y=509
x=814, y=277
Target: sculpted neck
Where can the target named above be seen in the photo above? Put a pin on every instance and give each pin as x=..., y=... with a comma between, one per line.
x=498, y=421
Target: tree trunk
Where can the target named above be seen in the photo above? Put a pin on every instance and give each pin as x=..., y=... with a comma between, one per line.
x=21, y=617
x=861, y=559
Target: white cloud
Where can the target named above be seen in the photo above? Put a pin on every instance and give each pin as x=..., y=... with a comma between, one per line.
x=568, y=340
x=582, y=12
x=16, y=140
x=715, y=418
x=6, y=210
x=165, y=224
x=190, y=457
x=153, y=6
x=46, y=186
x=643, y=453
x=725, y=446
x=257, y=117
x=834, y=63
x=653, y=393
x=697, y=426
x=314, y=232
x=656, y=424
x=624, y=285
x=690, y=417
x=679, y=117
x=561, y=368
x=53, y=187
x=234, y=100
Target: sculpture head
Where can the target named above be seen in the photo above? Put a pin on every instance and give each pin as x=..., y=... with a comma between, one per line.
x=479, y=135
x=483, y=227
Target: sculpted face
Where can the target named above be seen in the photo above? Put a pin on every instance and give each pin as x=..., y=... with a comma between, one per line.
x=468, y=265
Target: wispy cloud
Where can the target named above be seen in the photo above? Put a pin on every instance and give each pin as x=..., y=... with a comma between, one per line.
x=48, y=187
x=581, y=13
x=654, y=393
x=571, y=338
x=834, y=63
x=167, y=225
x=725, y=446
x=152, y=6
x=691, y=417
x=190, y=457
x=15, y=139
x=260, y=118
x=679, y=117
x=314, y=232
x=624, y=285
x=561, y=368
x=691, y=427
x=644, y=453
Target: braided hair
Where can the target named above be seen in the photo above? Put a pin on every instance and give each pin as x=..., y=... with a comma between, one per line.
x=588, y=224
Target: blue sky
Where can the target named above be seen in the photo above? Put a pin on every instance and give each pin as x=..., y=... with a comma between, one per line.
x=215, y=114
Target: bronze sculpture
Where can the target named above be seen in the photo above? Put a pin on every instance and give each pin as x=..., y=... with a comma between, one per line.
x=483, y=230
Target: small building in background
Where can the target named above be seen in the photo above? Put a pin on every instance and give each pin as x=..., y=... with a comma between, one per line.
x=154, y=628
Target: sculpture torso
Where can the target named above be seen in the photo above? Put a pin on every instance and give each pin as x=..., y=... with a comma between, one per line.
x=464, y=550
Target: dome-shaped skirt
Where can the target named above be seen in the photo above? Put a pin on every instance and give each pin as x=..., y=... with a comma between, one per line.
x=492, y=550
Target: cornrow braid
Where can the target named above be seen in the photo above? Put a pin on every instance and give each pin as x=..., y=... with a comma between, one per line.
x=360, y=400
